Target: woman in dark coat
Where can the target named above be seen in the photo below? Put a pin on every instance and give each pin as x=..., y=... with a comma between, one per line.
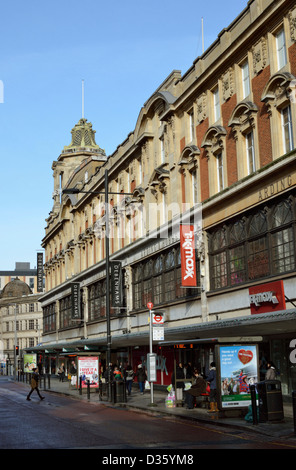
x=198, y=387
x=141, y=377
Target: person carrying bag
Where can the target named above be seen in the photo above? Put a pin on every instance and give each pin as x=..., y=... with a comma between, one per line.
x=34, y=385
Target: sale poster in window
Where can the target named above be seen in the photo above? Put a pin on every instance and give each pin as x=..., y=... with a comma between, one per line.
x=238, y=370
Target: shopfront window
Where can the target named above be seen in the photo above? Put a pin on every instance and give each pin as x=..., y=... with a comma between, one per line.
x=158, y=280
x=255, y=246
x=49, y=318
x=65, y=312
x=97, y=301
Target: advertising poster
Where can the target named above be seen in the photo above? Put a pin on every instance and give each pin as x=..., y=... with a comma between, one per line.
x=238, y=370
x=30, y=362
x=88, y=370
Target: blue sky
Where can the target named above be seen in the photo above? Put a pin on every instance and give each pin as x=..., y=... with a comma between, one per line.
x=122, y=50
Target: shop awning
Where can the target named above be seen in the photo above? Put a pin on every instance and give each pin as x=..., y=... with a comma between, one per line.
x=259, y=326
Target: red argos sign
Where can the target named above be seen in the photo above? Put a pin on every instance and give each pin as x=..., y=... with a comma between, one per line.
x=267, y=297
x=188, y=263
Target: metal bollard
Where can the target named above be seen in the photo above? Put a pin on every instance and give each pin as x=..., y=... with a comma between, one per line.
x=254, y=405
x=294, y=409
x=80, y=385
x=48, y=377
x=124, y=392
x=100, y=389
x=113, y=393
x=88, y=390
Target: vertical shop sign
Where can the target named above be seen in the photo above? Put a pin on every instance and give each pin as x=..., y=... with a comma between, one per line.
x=116, y=284
x=188, y=263
x=39, y=272
x=75, y=294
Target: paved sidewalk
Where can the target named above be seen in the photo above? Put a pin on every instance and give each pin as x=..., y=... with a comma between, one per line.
x=142, y=403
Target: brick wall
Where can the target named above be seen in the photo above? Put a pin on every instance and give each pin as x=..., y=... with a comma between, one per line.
x=264, y=135
x=204, y=168
x=231, y=155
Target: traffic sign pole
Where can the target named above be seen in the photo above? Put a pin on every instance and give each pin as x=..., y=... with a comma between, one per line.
x=150, y=307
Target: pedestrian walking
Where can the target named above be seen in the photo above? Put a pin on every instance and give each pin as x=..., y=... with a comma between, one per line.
x=61, y=372
x=129, y=377
x=211, y=378
x=141, y=377
x=271, y=371
x=34, y=385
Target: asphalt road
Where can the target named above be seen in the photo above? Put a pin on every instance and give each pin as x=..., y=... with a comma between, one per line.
x=60, y=422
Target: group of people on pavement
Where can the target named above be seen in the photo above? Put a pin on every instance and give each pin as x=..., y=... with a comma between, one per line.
x=127, y=374
x=200, y=385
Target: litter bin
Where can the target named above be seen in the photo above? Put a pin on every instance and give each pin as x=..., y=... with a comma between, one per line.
x=119, y=391
x=270, y=401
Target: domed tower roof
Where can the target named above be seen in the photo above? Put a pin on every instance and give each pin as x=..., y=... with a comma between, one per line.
x=83, y=138
x=16, y=288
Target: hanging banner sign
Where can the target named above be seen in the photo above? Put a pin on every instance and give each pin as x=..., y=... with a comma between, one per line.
x=75, y=294
x=116, y=284
x=39, y=272
x=188, y=263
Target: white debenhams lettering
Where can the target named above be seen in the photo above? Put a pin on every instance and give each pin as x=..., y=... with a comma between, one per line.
x=189, y=255
x=261, y=297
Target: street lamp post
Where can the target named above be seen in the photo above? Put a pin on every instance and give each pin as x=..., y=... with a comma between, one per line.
x=106, y=193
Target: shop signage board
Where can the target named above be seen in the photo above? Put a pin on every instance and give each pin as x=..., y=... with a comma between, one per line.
x=39, y=272
x=75, y=294
x=268, y=297
x=238, y=368
x=88, y=370
x=116, y=284
x=188, y=262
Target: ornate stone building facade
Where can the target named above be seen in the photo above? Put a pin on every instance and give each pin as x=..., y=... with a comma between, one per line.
x=21, y=322
x=221, y=139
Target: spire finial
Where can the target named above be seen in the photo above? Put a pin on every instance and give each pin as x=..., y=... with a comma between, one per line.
x=82, y=99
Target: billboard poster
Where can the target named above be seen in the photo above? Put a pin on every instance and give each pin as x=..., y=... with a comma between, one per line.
x=238, y=367
x=88, y=370
x=30, y=362
x=188, y=262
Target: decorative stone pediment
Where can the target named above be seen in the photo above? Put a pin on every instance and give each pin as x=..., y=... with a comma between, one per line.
x=189, y=157
x=278, y=90
x=243, y=117
x=213, y=141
